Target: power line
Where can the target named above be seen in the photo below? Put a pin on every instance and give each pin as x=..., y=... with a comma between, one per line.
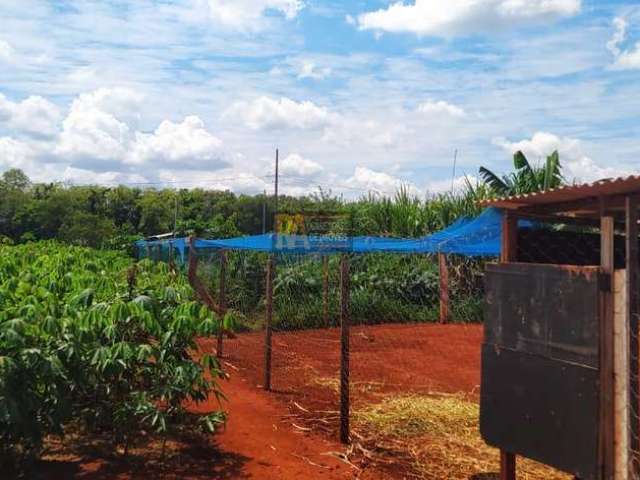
x=214, y=182
x=308, y=182
x=170, y=182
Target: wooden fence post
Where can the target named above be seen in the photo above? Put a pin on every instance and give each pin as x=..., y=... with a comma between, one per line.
x=222, y=300
x=508, y=253
x=344, y=349
x=268, y=320
x=607, y=414
x=632, y=312
x=325, y=290
x=444, y=287
x=507, y=466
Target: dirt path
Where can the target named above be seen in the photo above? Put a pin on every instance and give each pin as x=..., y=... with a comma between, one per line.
x=256, y=444
x=270, y=448
x=260, y=441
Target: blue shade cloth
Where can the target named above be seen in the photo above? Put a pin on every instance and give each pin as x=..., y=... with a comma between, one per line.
x=279, y=243
x=178, y=245
x=473, y=237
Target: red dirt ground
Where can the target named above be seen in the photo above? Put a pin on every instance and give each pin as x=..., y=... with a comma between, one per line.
x=266, y=436
x=383, y=358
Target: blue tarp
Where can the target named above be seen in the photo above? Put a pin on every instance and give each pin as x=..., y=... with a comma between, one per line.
x=178, y=245
x=480, y=236
x=472, y=237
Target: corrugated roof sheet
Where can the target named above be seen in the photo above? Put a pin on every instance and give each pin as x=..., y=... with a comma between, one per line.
x=568, y=193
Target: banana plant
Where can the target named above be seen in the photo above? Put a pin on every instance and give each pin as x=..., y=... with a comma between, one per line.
x=526, y=178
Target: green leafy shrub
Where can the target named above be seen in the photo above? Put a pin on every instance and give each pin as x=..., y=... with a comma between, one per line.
x=78, y=341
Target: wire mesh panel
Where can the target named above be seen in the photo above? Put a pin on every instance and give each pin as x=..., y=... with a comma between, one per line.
x=634, y=394
x=413, y=343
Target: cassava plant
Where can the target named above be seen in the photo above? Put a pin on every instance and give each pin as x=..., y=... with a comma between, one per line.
x=80, y=340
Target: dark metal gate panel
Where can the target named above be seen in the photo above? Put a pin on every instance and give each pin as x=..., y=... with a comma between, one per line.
x=539, y=395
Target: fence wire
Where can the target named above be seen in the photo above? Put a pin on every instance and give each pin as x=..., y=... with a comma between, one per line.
x=400, y=332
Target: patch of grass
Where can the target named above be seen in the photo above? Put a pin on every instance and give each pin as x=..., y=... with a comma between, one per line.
x=333, y=384
x=436, y=436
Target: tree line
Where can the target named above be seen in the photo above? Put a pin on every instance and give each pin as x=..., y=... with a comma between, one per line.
x=113, y=217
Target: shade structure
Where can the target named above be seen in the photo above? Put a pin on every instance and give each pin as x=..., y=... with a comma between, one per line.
x=472, y=237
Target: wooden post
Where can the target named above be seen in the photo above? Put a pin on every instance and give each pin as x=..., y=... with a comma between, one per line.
x=632, y=312
x=344, y=349
x=507, y=466
x=509, y=240
x=149, y=252
x=222, y=300
x=267, y=325
x=508, y=254
x=607, y=414
x=444, y=287
x=621, y=369
x=325, y=290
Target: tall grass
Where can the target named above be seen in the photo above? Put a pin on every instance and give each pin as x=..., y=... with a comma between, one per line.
x=407, y=215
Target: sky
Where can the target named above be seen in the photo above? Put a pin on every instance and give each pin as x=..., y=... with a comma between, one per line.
x=358, y=95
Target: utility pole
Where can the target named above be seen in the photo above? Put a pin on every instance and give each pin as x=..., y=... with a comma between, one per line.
x=275, y=213
x=264, y=212
x=453, y=175
x=175, y=216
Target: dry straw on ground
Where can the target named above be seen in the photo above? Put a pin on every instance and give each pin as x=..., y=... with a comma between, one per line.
x=435, y=437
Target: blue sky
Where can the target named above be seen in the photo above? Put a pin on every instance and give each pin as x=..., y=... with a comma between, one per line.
x=358, y=95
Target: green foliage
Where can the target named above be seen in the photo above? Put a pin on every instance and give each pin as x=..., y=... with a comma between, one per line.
x=526, y=178
x=77, y=343
x=87, y=229
x=108, y=217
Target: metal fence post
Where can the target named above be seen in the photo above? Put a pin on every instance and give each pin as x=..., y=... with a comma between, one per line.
x=268, y=320
x=222, y=300
x=325, y=290
x=444, y=287
x=344, y=350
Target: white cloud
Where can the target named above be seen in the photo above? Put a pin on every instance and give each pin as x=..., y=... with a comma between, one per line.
x=356, y=131
x=98, y=126
x=268, y=113
x=100, y=132
x=577, y=166
x=233, y=179
x=178, y=144
x=295, y=164
x=623, y=59
x=311, y=70
x=619, y=35
x=366, y=179
x=34, y=116
x=428, y=17
x=459, y=184
x=441, y=108
x=250, y=15
x=88, y=177
x=6, y=51
x=15, y=154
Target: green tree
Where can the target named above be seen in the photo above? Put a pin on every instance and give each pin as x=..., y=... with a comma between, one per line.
x=526, y=178
x=156, y=212
x=15, y=179
x=87, y=229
